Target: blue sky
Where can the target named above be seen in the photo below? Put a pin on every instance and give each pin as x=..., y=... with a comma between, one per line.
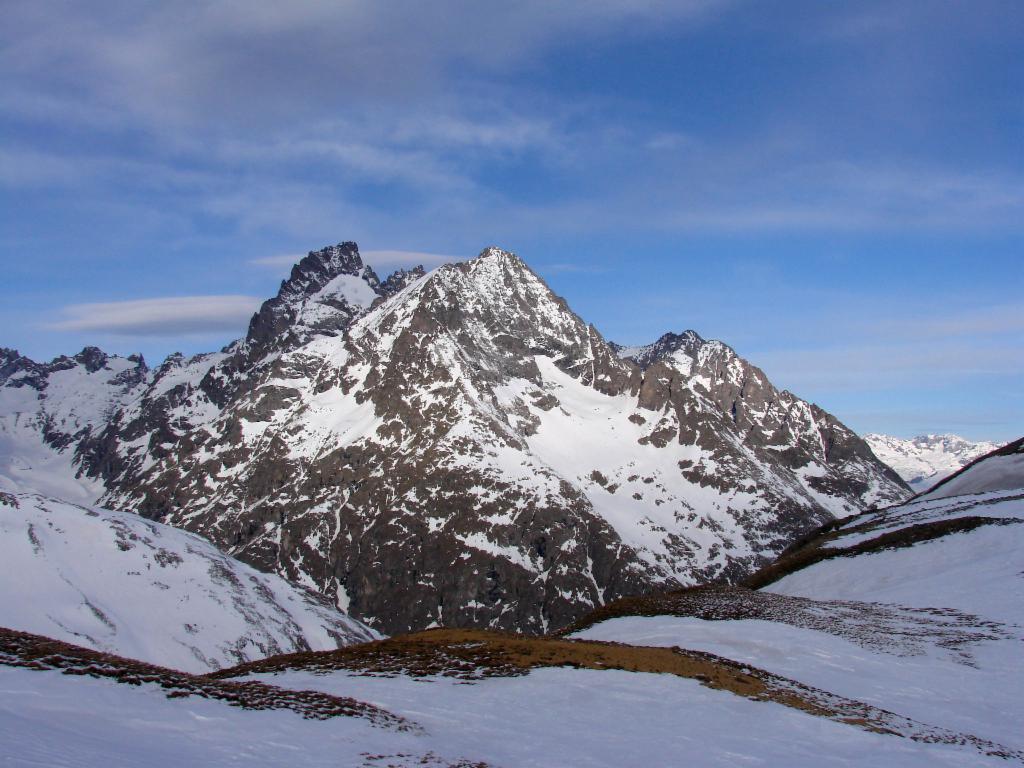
x=835, y=189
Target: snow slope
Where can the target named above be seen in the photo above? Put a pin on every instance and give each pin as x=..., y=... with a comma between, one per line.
x=557, y=717
x=551, y=718
x=924, y=460
x=121, y=584
x=61, y=721
x=916, y=609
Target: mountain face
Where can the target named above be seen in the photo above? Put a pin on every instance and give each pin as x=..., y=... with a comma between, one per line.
x=51, y=412
x=923, y=461
x=121, y=584
x=458, y=448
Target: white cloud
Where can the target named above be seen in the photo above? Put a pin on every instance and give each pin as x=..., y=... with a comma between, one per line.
x=259, y=61
x=383, y=261
x=169, y=316
x=292, y=165
x=391, y=260
x=984, y=324
x=283, y=260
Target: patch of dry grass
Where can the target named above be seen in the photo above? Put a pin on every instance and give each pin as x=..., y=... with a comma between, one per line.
x=472, y=654
x=22, y=649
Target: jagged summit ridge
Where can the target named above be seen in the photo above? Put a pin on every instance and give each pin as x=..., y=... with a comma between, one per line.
x=324, y=294
x=331, y=278
x=668, y=343
x=318, y=268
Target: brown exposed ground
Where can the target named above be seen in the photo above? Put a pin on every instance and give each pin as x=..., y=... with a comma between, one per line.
x=470, y=655
x=21, y=649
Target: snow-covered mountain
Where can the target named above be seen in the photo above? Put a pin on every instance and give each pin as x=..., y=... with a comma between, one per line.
x=458, y=448
x=998, y=470
x=50, y=412
x=923, y=461
x=119, y=583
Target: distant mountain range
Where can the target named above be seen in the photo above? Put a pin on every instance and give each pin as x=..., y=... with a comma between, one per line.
x=923, y=461
x=449, y=448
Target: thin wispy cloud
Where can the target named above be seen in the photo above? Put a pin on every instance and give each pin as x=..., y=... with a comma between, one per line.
x=171, y=316
x=390, y=260
x=381, y=260
x=190, y=92
x=956, y=322
x=859, y=367
x=277, y=262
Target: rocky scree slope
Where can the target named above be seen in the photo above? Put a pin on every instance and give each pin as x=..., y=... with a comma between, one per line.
x=459, y=448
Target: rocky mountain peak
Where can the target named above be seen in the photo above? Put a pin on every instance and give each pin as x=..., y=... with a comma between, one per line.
x=397, y=280
x=11, y=362
x=324, y=292
x=93, y=358
x=497, y=310
x=493, y=251
x=475, y=419
x=649, y=354
x=318, y=268
x=497, y=263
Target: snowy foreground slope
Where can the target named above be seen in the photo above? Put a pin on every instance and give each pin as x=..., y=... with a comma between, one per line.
x=890, y=638
x=110, y=712
x=119, y=583
x=924, y=460
x=916, y=609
